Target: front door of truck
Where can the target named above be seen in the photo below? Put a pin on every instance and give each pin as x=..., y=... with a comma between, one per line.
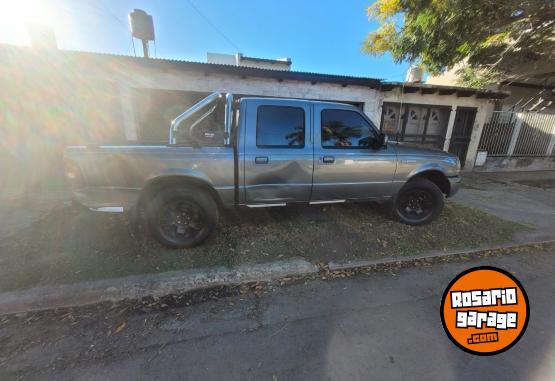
x=345, y=165
x=278, y=156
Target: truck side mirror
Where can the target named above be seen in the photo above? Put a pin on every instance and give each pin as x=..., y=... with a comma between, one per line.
x=380, y=141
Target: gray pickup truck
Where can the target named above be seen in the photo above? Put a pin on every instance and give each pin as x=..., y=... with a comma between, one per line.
x=259, y=152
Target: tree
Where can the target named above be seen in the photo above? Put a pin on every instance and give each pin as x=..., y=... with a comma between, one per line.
x=495, y=40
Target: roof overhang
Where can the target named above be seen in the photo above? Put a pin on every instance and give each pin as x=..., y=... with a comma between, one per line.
x=425, y=89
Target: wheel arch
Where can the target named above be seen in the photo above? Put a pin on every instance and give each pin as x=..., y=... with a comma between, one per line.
x=437, y=177
x=156, y=184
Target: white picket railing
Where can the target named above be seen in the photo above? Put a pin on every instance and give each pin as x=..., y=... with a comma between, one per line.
x=519, y=134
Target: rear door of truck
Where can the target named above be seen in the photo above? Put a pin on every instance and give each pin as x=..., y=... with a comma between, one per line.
x=278, y=151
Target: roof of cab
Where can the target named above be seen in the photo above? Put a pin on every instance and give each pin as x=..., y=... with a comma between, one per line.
x=284, y=101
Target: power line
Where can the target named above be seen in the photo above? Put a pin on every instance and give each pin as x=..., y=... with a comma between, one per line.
x=222, y=34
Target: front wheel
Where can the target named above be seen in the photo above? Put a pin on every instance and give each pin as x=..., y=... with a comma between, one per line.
x=419, y=202
x=182, y=216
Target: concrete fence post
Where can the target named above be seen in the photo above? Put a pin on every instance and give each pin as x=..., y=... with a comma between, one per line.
x=515, y=135
x=449, y=131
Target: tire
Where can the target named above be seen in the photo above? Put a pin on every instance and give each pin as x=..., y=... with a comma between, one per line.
x=419, y=202
x=182, y=217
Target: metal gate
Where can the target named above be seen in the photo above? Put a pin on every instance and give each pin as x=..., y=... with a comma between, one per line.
x=420, y=124
x=519, y=134
x=462, y=129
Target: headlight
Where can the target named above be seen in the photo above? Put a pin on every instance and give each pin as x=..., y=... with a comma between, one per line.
x=453, y=161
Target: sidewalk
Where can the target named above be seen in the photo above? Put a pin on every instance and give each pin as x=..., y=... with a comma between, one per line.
x=523, y=197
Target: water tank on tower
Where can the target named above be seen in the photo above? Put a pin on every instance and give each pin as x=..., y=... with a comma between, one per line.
x=142, y=27
x=415, y=74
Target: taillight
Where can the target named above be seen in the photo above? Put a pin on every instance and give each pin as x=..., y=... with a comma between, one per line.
x=73, y=174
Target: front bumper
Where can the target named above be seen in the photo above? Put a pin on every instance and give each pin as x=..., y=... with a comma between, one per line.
x=454, y=185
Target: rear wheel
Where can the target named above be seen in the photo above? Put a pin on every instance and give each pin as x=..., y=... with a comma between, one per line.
x=182, y=216
x=419, y=202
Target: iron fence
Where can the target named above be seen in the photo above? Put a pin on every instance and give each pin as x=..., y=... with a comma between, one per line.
x=519, y=134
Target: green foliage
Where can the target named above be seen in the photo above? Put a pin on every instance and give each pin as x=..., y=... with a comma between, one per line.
x=495, y=38
x=471, y=77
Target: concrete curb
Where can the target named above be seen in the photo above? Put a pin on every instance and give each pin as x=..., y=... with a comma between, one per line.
x=140, y=286
x=351, y=265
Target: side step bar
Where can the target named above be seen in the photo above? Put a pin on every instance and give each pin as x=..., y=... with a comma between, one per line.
x=108, y=209
x=265, y=205
x=284, y=204
x=326, y=202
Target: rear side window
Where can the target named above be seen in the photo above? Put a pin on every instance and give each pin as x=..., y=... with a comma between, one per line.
x=280, y=126
x=345, y=129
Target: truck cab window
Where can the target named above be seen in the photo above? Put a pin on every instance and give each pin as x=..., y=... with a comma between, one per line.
x=346, y=129
x=280, y=126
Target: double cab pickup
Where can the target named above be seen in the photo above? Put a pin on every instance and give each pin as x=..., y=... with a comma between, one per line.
x=259, y=152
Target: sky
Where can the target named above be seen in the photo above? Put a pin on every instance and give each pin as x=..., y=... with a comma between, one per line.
x=322, y=36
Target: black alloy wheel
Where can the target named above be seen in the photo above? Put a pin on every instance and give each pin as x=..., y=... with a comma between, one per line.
x=419, y=202
x=182, y=217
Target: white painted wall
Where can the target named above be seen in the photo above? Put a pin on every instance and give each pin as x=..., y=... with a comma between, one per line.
x=141, y=77
x=194, y=81
x=240, y=60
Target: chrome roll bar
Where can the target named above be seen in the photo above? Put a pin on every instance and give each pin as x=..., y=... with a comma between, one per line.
x=228, y=117
x=190, y=112
x=200, y=105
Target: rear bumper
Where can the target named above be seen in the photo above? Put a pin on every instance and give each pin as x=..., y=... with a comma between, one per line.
x=454, y=185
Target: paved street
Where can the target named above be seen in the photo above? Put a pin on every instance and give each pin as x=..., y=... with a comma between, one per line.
x=378, y=326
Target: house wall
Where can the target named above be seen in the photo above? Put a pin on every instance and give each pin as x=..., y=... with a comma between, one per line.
x=510, y=164
x=240, y=60
x=528, y=99
x=47, y=103
x=484, y=107
x=148, y=78
x=265, y=65
x=70, y=101
x=372, y=100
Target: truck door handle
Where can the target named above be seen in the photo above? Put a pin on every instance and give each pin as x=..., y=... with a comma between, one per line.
x=261, y=160
x=328, y=159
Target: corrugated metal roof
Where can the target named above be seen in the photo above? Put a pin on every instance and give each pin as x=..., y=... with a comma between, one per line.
x=218, y=68
x=280, y=75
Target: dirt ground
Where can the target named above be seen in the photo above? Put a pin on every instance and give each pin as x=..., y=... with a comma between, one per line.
x=71, y=244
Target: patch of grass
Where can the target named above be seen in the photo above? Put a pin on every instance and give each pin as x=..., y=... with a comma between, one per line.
x=72, y=244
